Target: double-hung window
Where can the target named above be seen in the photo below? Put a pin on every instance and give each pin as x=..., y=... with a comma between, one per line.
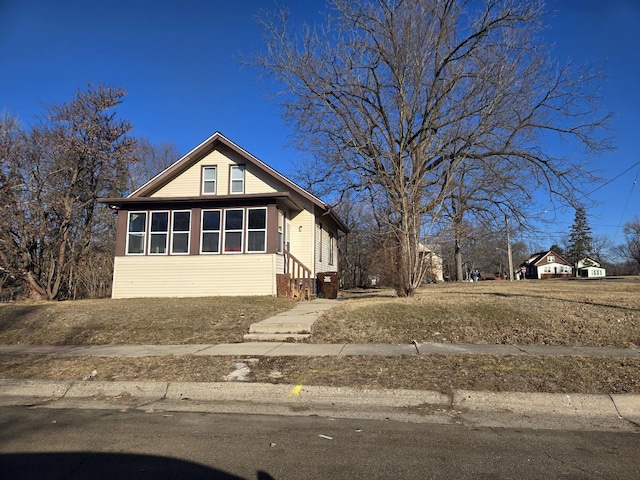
x=180, y=228
x=159, y=233
x=257, y=230
x=210, y=231
x=136, y=233
x=209, y=177
x=237, y=179
x=233, y=229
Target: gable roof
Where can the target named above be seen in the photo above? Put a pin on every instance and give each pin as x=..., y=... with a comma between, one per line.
x=143, y=193
x=536, y=258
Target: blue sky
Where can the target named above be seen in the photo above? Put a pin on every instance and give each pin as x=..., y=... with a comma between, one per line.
x=180, y=62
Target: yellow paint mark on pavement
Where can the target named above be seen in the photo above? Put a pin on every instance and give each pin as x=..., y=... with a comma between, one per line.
x=295, y=391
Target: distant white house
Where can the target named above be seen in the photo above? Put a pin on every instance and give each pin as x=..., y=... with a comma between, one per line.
x=590, y=268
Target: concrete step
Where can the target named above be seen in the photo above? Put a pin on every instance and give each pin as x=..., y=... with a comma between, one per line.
x=276, y=337
x=270, y=328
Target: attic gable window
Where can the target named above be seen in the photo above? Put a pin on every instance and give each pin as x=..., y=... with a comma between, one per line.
x=237, y=179
x=209, y=177
x=551, y=259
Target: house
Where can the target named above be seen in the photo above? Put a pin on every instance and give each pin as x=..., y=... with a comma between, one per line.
x=590, y=268
x=546, y=265
x=221, y=222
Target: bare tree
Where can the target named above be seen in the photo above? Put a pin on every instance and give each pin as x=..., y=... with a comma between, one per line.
x=151, y=160
x=399, y=95
x=630, y=250
x=54, y=227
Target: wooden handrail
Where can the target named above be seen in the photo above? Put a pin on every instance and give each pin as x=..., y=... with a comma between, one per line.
x=299, y=275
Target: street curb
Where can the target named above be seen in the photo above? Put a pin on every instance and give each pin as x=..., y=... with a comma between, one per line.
x=31, y=392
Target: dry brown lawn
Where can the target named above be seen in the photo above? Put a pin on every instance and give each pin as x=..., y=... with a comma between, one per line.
x=144, y=321
x=556, y=312
x=591, y=313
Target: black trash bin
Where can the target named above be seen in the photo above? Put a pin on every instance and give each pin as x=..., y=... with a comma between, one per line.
x=328, y=284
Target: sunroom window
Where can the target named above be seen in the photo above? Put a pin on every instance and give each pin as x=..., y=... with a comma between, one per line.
x=233, y=226
x=257, y=230
x=210, y=231
x=159, y=233
x=180, y=229
x=136, y=233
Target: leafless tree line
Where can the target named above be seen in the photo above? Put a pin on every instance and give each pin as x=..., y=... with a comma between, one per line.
x=56, y=240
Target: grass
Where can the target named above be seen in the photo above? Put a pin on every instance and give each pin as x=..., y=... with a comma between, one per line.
x=576, y=313
x=591, y=313
x=148, y=321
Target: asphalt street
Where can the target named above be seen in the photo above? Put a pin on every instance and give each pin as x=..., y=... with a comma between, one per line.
x=70, y=444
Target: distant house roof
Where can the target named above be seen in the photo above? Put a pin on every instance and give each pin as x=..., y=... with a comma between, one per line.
x=587, y=262
x=537, y=259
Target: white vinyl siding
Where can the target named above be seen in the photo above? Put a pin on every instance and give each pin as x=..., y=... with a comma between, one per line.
x=189, y=182
x=195, y=275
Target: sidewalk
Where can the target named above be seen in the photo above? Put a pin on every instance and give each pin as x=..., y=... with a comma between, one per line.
x=275, y=349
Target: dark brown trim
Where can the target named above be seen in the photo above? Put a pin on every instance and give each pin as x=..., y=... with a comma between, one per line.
x=272, y=228
x=121, y=233
x=196, y=222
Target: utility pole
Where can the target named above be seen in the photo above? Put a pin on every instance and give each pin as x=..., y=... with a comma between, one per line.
x=506, y=221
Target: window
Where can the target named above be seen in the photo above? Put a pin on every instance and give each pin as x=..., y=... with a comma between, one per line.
x=320, y=244
x=209, y=176
x=233, y=226
x=210, y=231
x=551, y=259
x=159, y=232
x=136, y=233
x=237, y=179
x=181, y=227
x=331, y=241
x=257, y=230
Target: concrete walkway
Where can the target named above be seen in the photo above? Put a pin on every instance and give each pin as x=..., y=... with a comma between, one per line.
x=274, y=349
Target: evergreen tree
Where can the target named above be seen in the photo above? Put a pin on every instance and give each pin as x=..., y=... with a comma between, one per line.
x=580, y=239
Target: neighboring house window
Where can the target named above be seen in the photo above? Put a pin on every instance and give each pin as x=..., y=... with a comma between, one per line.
x=331, y=248
x=209, y=176
x=180, y=228
x=551, y=259
x=159, y=233
x=233, y=226
x=210, y=231
x=257, y=230
x=136, y=233
x=237, y=179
